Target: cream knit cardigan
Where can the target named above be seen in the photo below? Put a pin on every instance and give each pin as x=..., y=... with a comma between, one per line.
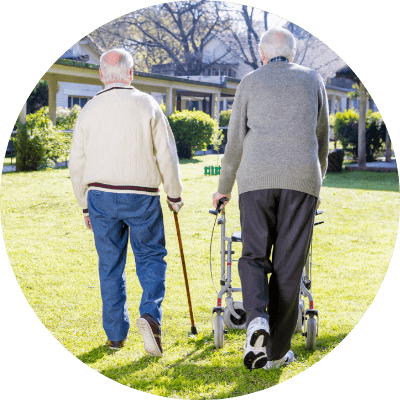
x=122, y=138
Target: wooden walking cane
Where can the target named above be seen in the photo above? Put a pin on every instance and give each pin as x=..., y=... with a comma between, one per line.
x=178, y=232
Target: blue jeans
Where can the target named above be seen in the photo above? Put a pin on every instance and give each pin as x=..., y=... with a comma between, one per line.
x=113, y=216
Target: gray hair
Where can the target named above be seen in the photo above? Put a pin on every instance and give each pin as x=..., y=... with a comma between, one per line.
x=115, y=65
x=277, y=42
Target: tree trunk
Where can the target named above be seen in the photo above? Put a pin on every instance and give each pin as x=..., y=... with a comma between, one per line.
x=388, y=148
x=362, y=145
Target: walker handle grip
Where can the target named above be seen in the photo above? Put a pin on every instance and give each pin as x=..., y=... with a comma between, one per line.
x=221, y=201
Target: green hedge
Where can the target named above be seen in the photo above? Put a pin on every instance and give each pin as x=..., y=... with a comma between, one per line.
x=39, y=144
x=224, y=118
x=193, y=130
x=346, y=129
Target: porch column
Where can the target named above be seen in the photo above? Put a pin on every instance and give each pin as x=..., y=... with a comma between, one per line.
x=331, y=108
x=340, y=107
x=215, y=105
x=168, y=101
x=52, y=98
x=174, y=100
x=333, y=104
x=225, y=104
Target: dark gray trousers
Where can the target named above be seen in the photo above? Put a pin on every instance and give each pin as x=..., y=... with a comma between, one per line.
x=283, y=219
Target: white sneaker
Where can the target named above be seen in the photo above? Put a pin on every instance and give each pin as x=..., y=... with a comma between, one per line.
x=287, y=359
x=255, y=355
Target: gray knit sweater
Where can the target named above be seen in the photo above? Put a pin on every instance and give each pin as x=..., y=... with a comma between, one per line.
x=278, y=131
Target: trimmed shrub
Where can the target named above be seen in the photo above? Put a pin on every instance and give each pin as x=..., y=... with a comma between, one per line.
x=30, y=152
x=224, y=118
x=193, y=130
x=346, y=128
x=38, y=143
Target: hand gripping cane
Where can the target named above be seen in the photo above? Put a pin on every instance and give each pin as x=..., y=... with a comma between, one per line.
x=178, y=232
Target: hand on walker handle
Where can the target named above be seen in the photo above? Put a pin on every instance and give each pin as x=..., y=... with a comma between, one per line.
x=217, y=196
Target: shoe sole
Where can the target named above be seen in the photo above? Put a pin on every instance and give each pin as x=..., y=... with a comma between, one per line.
x=150, y=344
x=257, y=335
x=254, y=360
x=284, y=363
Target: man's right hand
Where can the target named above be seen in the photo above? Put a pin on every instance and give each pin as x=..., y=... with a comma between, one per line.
x=175, y=207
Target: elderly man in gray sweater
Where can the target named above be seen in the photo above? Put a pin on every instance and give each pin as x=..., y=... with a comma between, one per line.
x=277, y=151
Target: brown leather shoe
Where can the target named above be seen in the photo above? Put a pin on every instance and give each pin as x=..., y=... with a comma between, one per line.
x=116, y=344
x=151, y=333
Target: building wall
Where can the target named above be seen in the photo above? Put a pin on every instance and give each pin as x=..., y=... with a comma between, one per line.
x=77, y=90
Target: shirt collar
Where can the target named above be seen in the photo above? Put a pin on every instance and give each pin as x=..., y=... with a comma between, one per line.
x=276, y=59
x=118, y=84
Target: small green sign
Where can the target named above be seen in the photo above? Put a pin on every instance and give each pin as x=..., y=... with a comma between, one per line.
x=212, y=170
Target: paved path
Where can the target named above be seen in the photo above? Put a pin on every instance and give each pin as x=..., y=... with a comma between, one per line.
x=378, y=166
x=12, y=168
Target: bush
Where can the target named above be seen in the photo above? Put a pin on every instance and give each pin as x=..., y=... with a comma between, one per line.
x=163, y=107
x=193, y=130
x=66, y=117
x=38, y=143
x=224, y=118
x=346, y=128
x=28, y=148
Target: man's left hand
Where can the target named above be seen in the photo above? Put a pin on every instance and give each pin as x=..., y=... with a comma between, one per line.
x=87, y=223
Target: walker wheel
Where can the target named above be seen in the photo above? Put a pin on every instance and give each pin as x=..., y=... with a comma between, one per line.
x=233, y=323
x=219, y=331
x=311, y=338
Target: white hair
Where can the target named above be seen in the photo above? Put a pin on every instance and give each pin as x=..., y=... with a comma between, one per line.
x=277, y=42
x=115, y=65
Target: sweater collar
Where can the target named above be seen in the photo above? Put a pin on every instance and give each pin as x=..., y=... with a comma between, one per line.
x=118, y=84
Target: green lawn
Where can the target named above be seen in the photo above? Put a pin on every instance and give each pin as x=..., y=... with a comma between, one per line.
x=55, y=262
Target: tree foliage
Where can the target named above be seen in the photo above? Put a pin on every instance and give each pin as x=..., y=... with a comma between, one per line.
x=346, y=128
x=168, y=33
x=39, y=97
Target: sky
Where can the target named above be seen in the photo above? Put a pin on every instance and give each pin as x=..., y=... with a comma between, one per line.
x=274, y=21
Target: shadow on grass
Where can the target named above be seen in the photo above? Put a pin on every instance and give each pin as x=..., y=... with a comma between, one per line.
x=205, y=367
x=365, y=180
x=324, y=343
x=95, y=354
x=188, y=372
x=184, y=161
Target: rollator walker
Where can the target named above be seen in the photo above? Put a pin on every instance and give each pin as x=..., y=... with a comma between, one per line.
x=233, y=315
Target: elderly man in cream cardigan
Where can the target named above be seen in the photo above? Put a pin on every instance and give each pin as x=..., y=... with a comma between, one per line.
x=122, y=150
x=277, y=151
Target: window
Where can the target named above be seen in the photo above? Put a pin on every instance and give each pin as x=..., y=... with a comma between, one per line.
x=193, y=105
x=81, y=101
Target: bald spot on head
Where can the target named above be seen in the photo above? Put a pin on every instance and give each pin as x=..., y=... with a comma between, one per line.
x=278, y=37
x=113, y=58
